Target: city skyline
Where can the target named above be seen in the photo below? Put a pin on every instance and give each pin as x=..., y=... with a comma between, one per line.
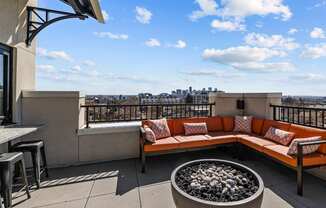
x=155, y=46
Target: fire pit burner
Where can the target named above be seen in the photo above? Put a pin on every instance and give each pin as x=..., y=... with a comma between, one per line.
x=216, y=183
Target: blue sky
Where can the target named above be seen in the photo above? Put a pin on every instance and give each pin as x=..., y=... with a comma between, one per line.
x=160, y=45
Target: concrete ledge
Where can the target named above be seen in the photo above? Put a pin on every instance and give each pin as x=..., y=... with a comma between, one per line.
x=50, y=94
x=246, y=95
x=108, y=128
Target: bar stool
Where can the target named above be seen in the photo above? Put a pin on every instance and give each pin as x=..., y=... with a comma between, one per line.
x=7, y=166
x=37, y=150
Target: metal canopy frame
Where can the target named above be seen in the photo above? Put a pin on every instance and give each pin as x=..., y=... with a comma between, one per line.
x=40, y=18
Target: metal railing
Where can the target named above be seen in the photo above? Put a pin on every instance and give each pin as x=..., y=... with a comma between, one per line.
x=118, y=113
x=312, y=117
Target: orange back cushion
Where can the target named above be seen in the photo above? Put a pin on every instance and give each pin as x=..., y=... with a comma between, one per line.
x=228, y=123
x=214, y=123
x=257, y=125
x=178, y=127
x=304, y=132
x=276, y=124
x=169, y=121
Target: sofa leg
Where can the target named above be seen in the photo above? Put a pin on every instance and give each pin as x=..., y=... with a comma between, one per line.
x=143, y=162
x=300, y=180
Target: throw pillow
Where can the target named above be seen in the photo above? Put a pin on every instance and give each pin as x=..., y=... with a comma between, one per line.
x=243, y=124
x=279, y=136
x=195, y=128
x=305, y=149
x=160, y=128
x=149, y=134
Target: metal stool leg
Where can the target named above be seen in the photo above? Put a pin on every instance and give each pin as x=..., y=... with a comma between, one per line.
x=36, y=167
x=6, y=186
x=24, y=177
x=45, y=164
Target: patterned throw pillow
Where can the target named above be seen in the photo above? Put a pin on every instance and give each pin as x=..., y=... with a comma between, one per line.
x=149, y=134
x=242, y=124
x=305, y=149
x=279, y=136
x=195, y=128
x=160, y=128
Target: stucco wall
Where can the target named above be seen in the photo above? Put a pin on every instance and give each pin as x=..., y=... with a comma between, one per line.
x=256, y=104
x=13, y=33
x=59, y=111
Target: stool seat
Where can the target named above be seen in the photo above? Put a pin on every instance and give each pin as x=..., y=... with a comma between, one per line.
x=8, y=162
x=27, y=146
x=11, y=157
x=37, y=150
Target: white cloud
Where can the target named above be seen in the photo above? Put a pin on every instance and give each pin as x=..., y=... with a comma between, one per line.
x=180, y=44
x=228, y=25
x=241, y=54
x=45, y=68
x=143, y=15
x=265, y=67
x=89, y=63
x=272, y=41
x=207, y=8
x=242, y=9
x=293, y=31
x=76, y=69
x=53, y=54
x=314, y=52
x=105, y=15
x=308, y=77
x=111, y=35
x=317, y=33
x=153, y=43
x=213, y=73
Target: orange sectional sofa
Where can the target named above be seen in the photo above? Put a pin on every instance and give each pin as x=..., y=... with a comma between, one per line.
x=220, y=131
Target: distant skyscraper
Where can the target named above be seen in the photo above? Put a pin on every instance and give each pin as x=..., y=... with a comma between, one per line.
x=190, y=89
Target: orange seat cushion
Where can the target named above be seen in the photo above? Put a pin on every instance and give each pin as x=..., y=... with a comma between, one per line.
x=178, y=128
x=228, y=123
x=276, y=124
x=255, y=142
x=214, y=123
x=221, y=137
x=257, y=125
x=169, y=121
x=192, y=141
x=279, y=152
x=304, y=132
x=168, y=143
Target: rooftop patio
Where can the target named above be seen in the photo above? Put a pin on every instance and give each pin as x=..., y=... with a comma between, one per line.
x=120, y=183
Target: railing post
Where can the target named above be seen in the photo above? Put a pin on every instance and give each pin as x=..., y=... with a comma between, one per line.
x=210, y=110
x=87, y=117
x=274, y=112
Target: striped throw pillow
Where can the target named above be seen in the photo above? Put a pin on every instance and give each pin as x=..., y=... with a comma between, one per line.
x=279, y=136
x=242, y=124
x=160, y=128
x=195, y=128
x=149, y=134
x=305, y=149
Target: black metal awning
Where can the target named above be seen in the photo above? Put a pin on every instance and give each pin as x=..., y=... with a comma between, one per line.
x=87, y=7
x=40, y=18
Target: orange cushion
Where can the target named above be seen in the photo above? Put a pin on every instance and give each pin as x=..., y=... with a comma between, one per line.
x=169, y=121
x=255, y=142
x=228, y=123
x=221, y=137
x=257, y=125
x=277, y=124
x=178, y=127
x=192, y=141
x=279, y=152
x=214, y=123
x=168, y=143
x=303, y=132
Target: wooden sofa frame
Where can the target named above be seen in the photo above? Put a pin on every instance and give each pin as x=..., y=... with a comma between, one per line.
x=299, y=167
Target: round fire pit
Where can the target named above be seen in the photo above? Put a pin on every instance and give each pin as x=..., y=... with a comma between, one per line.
x=214, y=183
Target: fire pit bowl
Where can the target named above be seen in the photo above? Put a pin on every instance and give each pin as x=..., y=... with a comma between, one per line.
x=211, y=183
